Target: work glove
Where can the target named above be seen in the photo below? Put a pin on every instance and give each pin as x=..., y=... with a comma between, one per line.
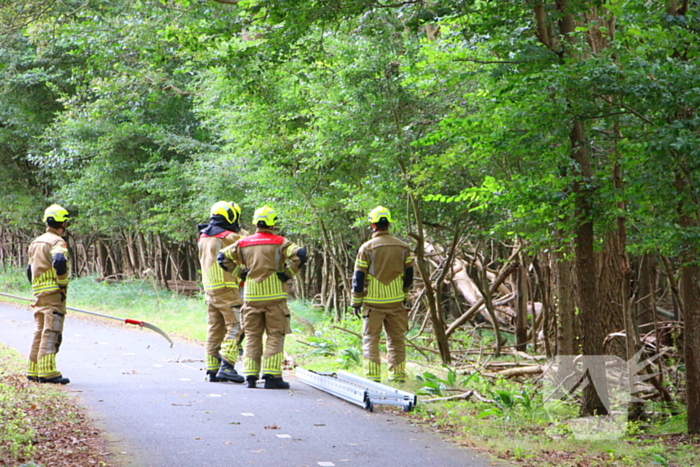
x=357, y=311
x=220, y=258
x=60, y=264
x=244, y=274
x=283, y=277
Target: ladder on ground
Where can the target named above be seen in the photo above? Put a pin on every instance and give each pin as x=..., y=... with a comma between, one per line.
x=356, y=389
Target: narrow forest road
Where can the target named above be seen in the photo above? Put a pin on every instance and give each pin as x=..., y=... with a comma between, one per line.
x=157, y=410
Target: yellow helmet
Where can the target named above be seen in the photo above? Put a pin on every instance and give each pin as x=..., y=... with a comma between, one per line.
x=56, y=213
x=379, y=213
x=265, y=214
x=227, y=209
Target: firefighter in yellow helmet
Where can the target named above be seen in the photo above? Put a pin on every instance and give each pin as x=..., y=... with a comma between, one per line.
x=267, y=261
x=48, y=273
x=382, y=279
x=221, y=289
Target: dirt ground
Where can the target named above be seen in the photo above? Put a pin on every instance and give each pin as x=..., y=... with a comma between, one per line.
x=64, y=435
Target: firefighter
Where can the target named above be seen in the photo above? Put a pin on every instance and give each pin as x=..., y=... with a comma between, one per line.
x=221, y=291
x=381, y=281
x=267, y=261
x=47, y=271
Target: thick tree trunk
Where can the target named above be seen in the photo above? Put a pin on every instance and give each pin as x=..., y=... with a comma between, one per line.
x=591, y=316
x=690, y=307
x=593, y=330
x=690, y=293
x=568, y=342
x=614, y=281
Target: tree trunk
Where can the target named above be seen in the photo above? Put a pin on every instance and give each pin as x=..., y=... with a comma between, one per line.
x=521, y=309
x=690, y=293
x=690, y=308
x=544, y=285
x=643, y=308
x=422, y=265
x=568, y=342
x=593, y=330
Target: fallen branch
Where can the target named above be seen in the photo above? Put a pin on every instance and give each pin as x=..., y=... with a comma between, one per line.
x=348, y=331
x=420, y=349
x=465, y=396
x=467, y=315
x=525, y=370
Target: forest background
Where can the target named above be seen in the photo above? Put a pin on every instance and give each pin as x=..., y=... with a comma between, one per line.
x=541, y=157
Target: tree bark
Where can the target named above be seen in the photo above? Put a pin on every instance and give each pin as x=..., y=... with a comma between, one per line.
x=690, y=308
x=422, y=265
x=521, y=309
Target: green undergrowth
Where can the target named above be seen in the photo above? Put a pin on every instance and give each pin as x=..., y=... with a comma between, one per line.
x=511, y=420
x=504, y=417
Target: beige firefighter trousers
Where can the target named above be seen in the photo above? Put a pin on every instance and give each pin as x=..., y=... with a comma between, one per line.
x=272, y=320
x=49, y=315
x=223, y=326
x=395, y=324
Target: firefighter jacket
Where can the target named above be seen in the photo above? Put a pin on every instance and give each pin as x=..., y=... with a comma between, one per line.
x=48, y=263
x=383, y=272
x=267, y=261
x=210, y=241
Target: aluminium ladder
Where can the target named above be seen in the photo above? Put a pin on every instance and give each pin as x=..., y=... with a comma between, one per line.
x=356, y=389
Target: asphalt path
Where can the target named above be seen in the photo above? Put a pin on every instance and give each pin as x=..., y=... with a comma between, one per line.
x=157, y=410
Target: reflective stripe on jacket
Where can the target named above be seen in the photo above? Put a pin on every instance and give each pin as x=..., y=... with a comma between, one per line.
x=265, y=256
x=42, y=252
x=382, y=267
x=213, y=277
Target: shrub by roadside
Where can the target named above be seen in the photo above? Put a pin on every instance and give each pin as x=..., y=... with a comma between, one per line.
x=42, y=424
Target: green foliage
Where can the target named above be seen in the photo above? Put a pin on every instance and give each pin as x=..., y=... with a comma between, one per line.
x=350, y=357
x=506, y=402
x=437, y=386
x=152, y=111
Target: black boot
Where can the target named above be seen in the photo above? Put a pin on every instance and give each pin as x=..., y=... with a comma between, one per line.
x=55, y=380
x=33, y=379
x=228, y=373
x=252, y=381
x=211, y=376
x=275, y=382
x=239, y=344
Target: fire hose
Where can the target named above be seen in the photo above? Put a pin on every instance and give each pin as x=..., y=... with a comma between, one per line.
x=141, y=324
